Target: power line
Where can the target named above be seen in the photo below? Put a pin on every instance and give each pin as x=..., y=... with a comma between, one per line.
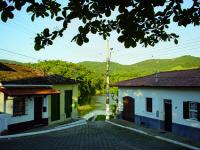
x=168, y=50
x=8, y=51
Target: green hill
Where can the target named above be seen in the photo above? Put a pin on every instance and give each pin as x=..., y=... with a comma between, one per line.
x=145, y=67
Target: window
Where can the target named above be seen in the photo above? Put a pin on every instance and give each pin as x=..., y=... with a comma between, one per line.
x=149, y=104
x=19, y=106
x=191, y=110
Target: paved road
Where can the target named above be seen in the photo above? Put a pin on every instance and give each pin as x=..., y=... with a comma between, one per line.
x=93, y=136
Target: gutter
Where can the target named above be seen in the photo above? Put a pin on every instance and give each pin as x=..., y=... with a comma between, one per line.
x=18, y=85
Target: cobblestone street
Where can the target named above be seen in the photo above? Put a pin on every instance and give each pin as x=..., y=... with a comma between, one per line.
x=93, y=136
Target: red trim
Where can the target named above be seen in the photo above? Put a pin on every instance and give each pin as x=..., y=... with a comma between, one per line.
x=29, y=91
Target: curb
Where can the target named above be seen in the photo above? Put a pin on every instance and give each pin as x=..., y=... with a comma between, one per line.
x=71, y=125
x=157, y=137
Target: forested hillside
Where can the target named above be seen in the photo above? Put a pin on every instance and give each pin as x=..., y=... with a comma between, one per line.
x=120, y=72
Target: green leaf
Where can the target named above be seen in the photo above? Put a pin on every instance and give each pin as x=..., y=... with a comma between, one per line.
x=37, y=47
x=10, y=15
x=46, y=32
x=79, y=40
x=18, y=5
x=50, y=42
x=33, y=17
x=93, y=30
x=121, y=39
x=59, y=18
x=4, y=16
x=80, y=29
x=54, y=36
x=86, y=40
x=175, y=41
x=65, y=24
x=64, y=13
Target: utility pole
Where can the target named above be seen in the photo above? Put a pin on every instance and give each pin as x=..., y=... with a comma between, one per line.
x=108, y=80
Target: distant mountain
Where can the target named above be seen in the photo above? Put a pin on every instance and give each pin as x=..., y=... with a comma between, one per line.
x=10, y=61
x=145, y=67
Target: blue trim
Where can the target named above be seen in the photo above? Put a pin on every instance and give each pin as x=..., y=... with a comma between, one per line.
x=190, y=132
x=149, y=122
x=181, y=130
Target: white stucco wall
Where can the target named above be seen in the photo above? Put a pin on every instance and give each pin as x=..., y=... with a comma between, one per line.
x=29, y=108
x=1, y=102
x=178, y=96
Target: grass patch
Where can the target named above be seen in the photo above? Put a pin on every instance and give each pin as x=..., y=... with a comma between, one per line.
x=100, y=118
x=84, y=109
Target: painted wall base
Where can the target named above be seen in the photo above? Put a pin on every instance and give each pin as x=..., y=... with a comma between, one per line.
x=149, y=122
x=180, y=130
x=190, y=132
x=19, y=127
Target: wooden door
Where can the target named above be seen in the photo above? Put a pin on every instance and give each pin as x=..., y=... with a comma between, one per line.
x=128, y=109
x=168, y=115
x=68, y=103
x=38, y=110
x=55, y=107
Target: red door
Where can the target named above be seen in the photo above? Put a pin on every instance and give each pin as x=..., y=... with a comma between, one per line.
x=128, y=108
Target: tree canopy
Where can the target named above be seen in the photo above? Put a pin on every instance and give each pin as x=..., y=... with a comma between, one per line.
x=136, y=21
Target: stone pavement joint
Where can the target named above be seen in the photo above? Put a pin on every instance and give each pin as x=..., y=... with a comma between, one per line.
x=158, y=137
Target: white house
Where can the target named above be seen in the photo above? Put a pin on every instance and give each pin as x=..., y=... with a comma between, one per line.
x=29, y=99
x=168, y=101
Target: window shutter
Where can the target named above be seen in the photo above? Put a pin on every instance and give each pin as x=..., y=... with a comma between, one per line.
x=198, y=111
x=186, y=110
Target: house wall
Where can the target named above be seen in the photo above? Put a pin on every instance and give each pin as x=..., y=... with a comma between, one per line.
x=29, y=108
x=156, y=118
x=62, y=88
x=1, y=102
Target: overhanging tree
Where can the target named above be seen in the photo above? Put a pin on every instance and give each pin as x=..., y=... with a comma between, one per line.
x=137, y=21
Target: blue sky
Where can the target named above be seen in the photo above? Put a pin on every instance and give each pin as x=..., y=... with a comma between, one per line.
x=17, y=35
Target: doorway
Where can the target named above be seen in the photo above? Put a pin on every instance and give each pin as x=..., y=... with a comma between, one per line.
x=38, y=110
x=128, y=109
x=68, y=103
x=168, y=115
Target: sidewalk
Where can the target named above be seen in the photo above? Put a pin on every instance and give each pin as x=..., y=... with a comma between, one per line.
x=47, y=129
x=156, y=133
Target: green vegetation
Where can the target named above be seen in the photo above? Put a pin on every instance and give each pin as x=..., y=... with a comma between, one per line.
x=133, y=21
x=84, y=109
x=100, y=118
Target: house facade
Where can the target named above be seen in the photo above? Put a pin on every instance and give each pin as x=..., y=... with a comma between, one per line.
x=29, y=99
x=167, y=101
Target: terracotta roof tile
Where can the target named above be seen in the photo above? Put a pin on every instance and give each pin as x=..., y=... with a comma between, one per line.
x=184, y=78
x=18, y=74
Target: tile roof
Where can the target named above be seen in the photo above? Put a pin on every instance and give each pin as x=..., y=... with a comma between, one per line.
x=23, y=75
x=28, y=91
x=183, y=78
